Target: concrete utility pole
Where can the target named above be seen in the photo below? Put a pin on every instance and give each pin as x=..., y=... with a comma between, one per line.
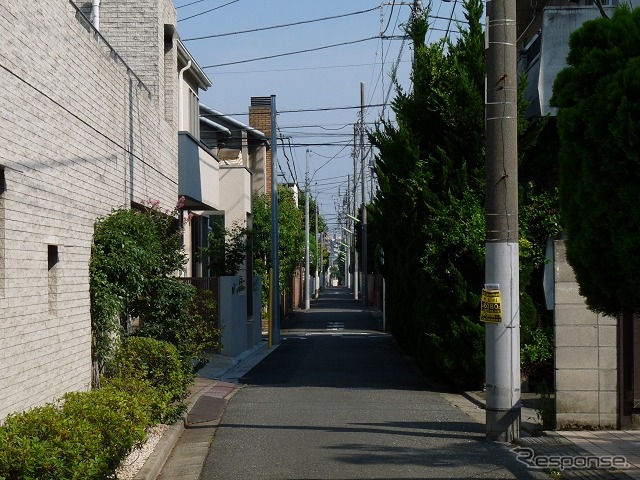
x=317, y=282
x=321, y=269
x=307, y=277
x=355, y=211
x=275, y=239
x=347, y=262
x=416, y=11
x=365, y=291
x=501, y=269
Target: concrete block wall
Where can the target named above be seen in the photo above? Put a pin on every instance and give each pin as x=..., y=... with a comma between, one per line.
x=585, y=355
x=79, y=136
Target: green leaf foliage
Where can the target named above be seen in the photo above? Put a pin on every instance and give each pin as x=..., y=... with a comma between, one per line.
x=290, y=233
x=84, y=438
x=134, y=257
x=429, y=211
x=598, y=100
x=158, y=363
x=227, y=249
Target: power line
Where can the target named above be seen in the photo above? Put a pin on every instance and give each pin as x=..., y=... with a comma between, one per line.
x=188, y=4
x=292, y=53
x=207, y=11
x=87, y=124
x=301, y=110
x=332, y=67
x=280, y=26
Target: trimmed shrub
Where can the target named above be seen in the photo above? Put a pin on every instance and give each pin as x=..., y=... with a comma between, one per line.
x=159, y=363
x=118, y=418
x=42, y=444
x=153, y=398
x=84, y=438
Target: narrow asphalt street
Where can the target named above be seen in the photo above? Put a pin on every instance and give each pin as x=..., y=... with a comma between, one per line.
x=339, y=400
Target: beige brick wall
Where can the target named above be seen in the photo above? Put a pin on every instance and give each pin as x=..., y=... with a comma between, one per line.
x=585, y=355
x=79, y=136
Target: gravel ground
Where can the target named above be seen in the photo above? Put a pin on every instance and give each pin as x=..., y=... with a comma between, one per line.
x=135, y=460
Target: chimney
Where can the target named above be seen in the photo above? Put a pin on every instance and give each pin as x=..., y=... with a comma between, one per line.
x=260, y=119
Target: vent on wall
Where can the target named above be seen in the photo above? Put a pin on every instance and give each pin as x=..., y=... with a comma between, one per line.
x=52, y=257
x=260, y=101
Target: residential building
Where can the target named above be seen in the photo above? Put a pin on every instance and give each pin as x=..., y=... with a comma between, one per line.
x=88, y=120
x=199, y=168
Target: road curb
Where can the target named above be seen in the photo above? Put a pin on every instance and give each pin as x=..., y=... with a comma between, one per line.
x=207, y=378
x=152, y=467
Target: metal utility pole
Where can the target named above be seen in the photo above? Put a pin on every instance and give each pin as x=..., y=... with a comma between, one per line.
x=307, y=296
x=502, y=335
x=365, y=291
x=275, y=239
x=355, y=212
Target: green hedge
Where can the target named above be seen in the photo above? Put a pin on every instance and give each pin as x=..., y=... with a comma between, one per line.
x=85, y=438
x=86, y=435
x=158, y=363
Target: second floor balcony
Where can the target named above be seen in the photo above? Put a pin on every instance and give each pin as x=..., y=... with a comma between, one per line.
x=198, y=174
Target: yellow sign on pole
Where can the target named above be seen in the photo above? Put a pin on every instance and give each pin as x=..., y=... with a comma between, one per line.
x=490, y=306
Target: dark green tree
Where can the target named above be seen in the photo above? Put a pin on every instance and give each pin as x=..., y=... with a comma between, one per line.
x=598, y=100
x=290, y=232
x=429, y=211
x=227, y=248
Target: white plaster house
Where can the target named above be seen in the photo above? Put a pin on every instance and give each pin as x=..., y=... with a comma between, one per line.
x=242, y=153
x=199, y=168
x=88, y=119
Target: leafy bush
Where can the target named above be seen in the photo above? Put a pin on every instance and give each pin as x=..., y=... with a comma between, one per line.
x=154, y=399
x=164, y=313
x=42, y=444
x=132, y=251
x=159, y=363
x=134, y=256
x=118, y=418
x=85, y=437
x=537, y=352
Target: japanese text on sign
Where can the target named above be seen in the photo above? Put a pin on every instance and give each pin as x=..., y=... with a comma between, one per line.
x=490, y=306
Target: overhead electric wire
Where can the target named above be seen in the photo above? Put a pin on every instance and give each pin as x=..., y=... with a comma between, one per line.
x=308, y=50
x=393, y=4
x=284, y=152
x=207, y=11
x=189, y=4
x=394, y=68
x=332, y=67
x=300, y=110
x=303, y=22
x=453, y=10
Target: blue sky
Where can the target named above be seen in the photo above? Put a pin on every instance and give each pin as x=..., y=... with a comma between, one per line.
x=324, y=79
